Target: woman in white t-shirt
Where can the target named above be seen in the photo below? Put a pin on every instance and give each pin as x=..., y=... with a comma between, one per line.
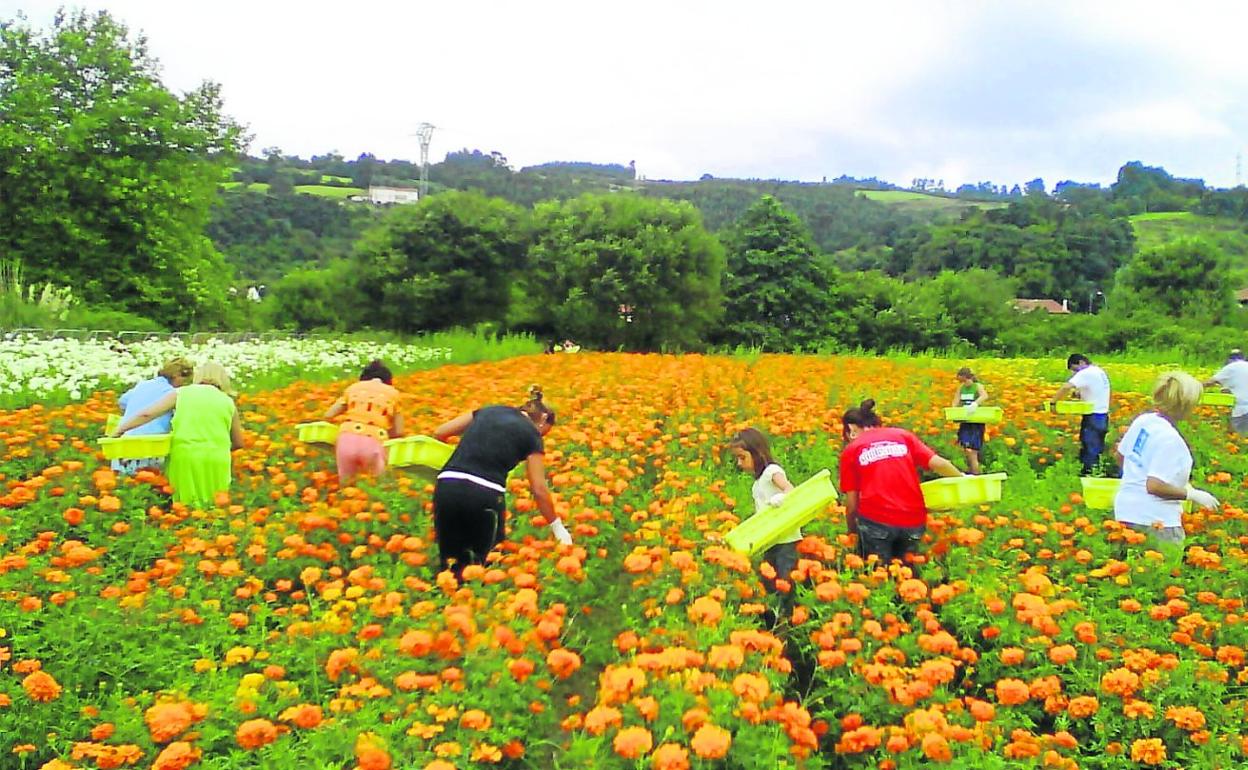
x=1157, y=463
x=770, y=486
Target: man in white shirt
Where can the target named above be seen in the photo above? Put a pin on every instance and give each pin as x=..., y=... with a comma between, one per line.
x=1234, y=377
x=1092, y=385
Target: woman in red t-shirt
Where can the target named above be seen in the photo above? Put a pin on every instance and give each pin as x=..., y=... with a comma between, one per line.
x=884, y=505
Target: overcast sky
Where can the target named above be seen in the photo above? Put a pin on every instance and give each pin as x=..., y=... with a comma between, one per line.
x=960, y=91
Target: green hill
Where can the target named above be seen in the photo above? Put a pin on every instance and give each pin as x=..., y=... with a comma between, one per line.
x=1230, y=235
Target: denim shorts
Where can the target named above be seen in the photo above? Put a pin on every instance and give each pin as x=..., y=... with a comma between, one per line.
x=887, y=542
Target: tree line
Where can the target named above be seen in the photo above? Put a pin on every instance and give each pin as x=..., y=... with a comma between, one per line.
x=113, y=185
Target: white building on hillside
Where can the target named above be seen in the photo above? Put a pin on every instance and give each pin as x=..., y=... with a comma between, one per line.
x=393, y=194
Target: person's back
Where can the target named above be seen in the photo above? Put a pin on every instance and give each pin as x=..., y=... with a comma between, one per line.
x=498, y=438
x=372, y=404
x=141, y=396
x=202, y=417
x=881, y=465
x=1093, y=385
x=1152, y=447
x=199, y=452
x=1234, y=377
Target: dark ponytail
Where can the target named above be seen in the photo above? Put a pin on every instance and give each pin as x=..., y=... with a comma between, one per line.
x=536, y=408
x=376, y=370
x=862, y=416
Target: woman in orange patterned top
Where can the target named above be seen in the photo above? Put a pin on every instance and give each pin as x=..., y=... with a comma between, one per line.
x=370, y=416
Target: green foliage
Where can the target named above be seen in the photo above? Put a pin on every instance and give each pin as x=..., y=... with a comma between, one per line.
x=108, y=176
x=1052, y=250
x=328, y=299
x=622, y=271
x=775, y=293
x=264, y=237
x=1184, y=279
x=444, y=262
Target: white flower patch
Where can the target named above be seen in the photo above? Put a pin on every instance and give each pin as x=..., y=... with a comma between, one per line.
x=39, y=369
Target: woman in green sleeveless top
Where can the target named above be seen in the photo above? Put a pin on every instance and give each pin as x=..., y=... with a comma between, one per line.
x=205, y=429
x=970, y=394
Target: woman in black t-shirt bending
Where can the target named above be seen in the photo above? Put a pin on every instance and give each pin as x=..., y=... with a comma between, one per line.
x=468, y=499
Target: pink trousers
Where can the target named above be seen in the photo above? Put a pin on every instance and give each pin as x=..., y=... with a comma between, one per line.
x=359, y=455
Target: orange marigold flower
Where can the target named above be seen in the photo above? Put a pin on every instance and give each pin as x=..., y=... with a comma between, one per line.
x=475, y=719
x=563, y=662
x=1121, y=681
x=178, y=755
x=706, y=611
x=1136, y=709
x=1012, y=656
x=711, y=742
x=912, y=590
x=725, y=656
x=304, y=716
x=1149, y=751
x=255, y=733
x=340, y=661
x=632, y=742
x=1187, y=717
x=751, y=687
x=936, y=748
x=166, y=721
x=670, y=756
x=103, y=731
x=41, y=686
x=1012, y=692
x=1062, y=654
x=1083, y=706
x=600, y=718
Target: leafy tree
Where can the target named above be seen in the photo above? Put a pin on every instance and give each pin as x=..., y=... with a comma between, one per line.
x=326, y=299
x=625, y=271
x=1189, y=278
x=107, y=176
x=446, y=261
x=775, y=293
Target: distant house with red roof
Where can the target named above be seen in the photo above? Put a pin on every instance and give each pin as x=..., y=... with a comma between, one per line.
x=1050, y=306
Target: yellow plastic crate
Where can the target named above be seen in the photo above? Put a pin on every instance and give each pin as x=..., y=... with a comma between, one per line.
x=1069, y=407
x=111, y=423
x=1099, y=494
x=1214, y=398
x=320, y=432
x=983, y=414
x=136, y=447
x=418, y=450
x=962, y=491
x=764, y=529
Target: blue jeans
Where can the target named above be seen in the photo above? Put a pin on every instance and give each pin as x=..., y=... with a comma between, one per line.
x=1092, y=430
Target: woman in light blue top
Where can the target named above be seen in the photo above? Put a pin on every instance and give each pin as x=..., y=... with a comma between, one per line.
x=175, y=373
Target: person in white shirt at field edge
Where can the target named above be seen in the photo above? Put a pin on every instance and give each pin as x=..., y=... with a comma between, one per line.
x=1157, y=463
x=1092, y=385
x=1234, y=377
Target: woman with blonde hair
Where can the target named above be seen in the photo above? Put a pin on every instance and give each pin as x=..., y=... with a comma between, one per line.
x=175, y=373
x=205, y=427
x=1157, y=463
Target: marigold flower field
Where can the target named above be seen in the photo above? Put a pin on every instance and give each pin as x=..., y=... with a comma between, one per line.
x=300, y=624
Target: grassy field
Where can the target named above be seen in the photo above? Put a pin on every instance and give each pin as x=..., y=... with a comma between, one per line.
x=923, y=201
x=336, y=180
x=327, y=191
x=260, y=187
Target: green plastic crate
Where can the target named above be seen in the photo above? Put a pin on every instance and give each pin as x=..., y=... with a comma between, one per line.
x=765, y=528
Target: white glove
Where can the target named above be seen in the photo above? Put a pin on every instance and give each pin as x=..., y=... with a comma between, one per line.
x=970, y=408
x=775, y=500
x=1201, y=498
x=561, y=532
